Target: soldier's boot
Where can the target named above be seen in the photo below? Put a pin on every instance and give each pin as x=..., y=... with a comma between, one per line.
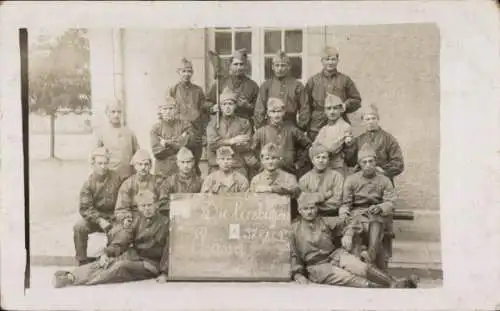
x=360, y=282
x=380, y=277
x=376, y=230
x=62, y=279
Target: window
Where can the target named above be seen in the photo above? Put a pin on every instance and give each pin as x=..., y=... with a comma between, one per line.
x=227, y=40
x=289, y=40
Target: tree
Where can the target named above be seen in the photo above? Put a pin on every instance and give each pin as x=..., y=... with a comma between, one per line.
x=59, y=77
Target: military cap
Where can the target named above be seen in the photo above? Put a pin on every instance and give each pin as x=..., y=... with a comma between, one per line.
x=145, y=196
x=228, y=95
x=316, y=149
x=140, y=155
x=308, y=199
x=330, y=51
x=370, y=109
x=366, y=151
x=333, y=99
x=281, y=57
x=185, y=64
x=270, y=149
x=184, y=154
x=224, y=151
x=99, y=152
x=240, y=54
x=168, y=102
x=274, y=103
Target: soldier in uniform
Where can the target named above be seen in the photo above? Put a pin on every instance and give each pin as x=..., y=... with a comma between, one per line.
x=390, y=160
x=288, y=89
x=138, y=251
x=168, y=136
x=192, y=106
x=118, y=139
x=316, y=258
x=336, y=133
x=185, y=180
x=226, y=179
x=232, y=131
x=245, y=88
x=323, y=181
x=369, y=198
x=329, y=80
x=97, y=202
x=290, y=139
x=142, y=180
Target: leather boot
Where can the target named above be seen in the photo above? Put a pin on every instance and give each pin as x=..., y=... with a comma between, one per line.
x=380, y=277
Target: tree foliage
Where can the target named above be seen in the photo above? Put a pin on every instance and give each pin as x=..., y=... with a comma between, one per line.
x=59, y=74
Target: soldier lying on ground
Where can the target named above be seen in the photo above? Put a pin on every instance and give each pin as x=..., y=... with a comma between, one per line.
x=226, y=179
x=316, y=258
x=97, y=202
x=137, y=250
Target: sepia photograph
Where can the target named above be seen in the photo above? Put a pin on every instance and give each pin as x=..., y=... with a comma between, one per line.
x=300, y=154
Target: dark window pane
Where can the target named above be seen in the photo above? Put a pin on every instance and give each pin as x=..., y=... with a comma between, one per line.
x=293, y=41
x=268, y=69
x=223, y=42
x=296, y=69
x=243, y=40
x=272, y=41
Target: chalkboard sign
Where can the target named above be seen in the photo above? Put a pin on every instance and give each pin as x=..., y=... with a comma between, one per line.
x=240, y=236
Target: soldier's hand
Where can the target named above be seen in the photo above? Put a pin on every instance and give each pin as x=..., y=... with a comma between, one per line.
x=348, y=140
x=104, y=224
x=162, y=278
x=344, y=212
x=240, y=139
x=299, y=278
x=380, y=170
x=242, y=101
x=214, y=109
x=104, y=261
x=347, y=242
x=263, y=188
x=374, y=209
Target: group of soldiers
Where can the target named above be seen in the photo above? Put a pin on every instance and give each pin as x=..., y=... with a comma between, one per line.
x=283, y=138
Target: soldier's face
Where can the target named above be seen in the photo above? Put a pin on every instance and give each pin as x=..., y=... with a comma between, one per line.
x=368, y=166
x=114, y=114
x=100, y=165
x=270, y=162
x=370, y=122
x=127, y=220
x=168, y=112
x=276, y=115
x=185, y=74
x=237, y=67
x=142, y=167
x=185, y=165
x=320, y=161
x=280, y=69
x=225, y=163
x=228, y=107
x=308, y=212
x=330, y=62
x=147, y=208
x=333, y=111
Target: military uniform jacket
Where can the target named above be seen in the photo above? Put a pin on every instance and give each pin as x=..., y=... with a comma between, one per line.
x=133, y=185
x=180, y=133
x=338, y=84
x=328, y=184
x=229, y=127
x=244, y=87
x=291, y=91
x=216, y=183
x=98, y=196
x=332, y=136
x=280, y=178
x=192, y=104
x=178, y=183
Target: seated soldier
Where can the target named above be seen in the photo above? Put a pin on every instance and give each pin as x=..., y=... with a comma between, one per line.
x=138, y=250
x=316, y=258
x=168, y=136
x=140, y=181
x=369, y=198
x=289, y=138
x=231, y=131
x=97, y=202
x=273, y=179
x=336, y=133
x=390, y=160
x=226, y=179
x=186, y=180
x=324, y=181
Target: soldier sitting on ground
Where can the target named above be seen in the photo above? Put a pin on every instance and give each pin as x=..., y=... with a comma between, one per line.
x=226, y=179
x=316, y=258
x=138, y=250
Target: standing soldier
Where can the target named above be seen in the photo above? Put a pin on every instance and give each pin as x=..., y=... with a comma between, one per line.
x=245, y=88
x=120, y=141
x=192, y=106
x=329, y=80
x=97, y=202
x=288, y=89
x=389, y=156
x=185, y=180
x=168, y=136
x=232, y=131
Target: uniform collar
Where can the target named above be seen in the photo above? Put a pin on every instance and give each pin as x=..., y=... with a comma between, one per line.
x=330, y=75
